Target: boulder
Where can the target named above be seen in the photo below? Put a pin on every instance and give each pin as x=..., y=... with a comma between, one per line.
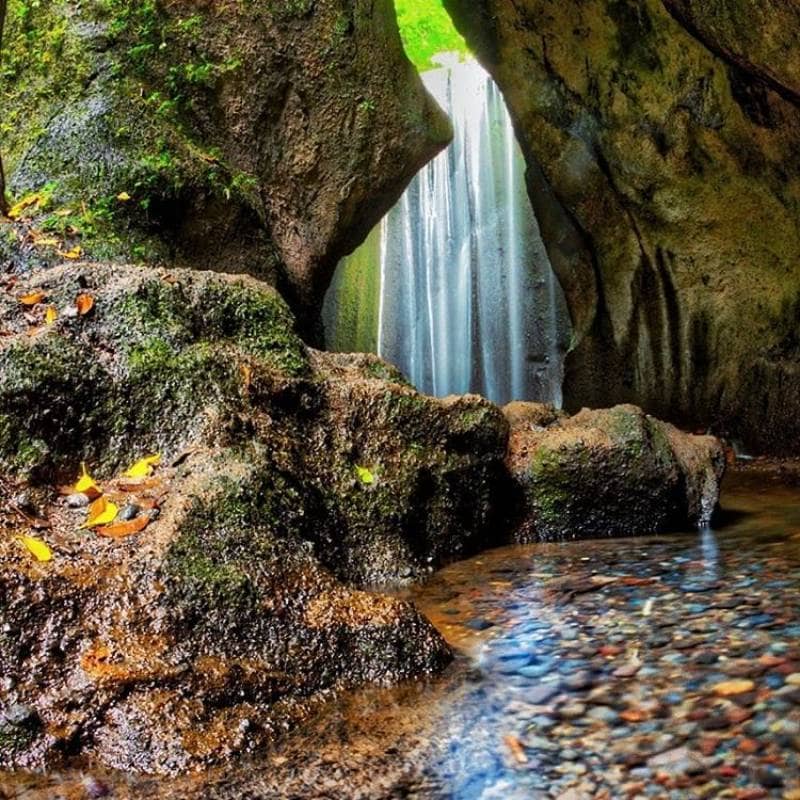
x=612, y=472
x=288, y=479
x=662, y=147
x=269, y=138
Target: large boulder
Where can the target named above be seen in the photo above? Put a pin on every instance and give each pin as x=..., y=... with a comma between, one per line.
x=662, y=141
x=267, y=137
x=288, y=479
x=612, y=472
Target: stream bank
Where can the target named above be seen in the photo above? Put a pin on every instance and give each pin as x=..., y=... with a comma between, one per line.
x=664, y=668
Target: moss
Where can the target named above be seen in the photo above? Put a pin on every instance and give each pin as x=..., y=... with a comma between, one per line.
x=258, y=321
x=15, y=739
x=228, y=542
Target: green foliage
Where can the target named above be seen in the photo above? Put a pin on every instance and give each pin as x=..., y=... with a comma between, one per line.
x=427, y=29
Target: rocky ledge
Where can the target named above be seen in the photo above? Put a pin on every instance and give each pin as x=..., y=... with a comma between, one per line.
x=286, y=478
x=208, y=598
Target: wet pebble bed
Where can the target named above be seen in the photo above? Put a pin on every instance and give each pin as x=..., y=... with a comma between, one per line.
x=662, y=668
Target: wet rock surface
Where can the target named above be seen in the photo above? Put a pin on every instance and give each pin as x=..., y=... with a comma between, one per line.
x=608, y=472
x=288, y=478
x=266, y=140
x=676, y=676
x=662, y=146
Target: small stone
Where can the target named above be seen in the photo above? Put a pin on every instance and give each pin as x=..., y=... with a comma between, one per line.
x=129, y=512
x=579, y=681
x=77, y=500
x=770, y=777
x=479, y=624
x=627, y=670
x=733, y=687
x=793, y=679
x=24, y=502
x=95, y=788
x=542, y=693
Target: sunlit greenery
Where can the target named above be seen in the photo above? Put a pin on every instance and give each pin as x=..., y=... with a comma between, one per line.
x=427, y=29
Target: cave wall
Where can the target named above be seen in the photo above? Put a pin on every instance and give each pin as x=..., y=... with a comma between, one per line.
x=264, y=137
x=663, y=147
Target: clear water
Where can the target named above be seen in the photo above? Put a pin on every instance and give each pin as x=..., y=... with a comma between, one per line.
x=628, y=638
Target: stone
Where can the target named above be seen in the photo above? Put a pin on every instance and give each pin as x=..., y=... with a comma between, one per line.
x=651, y=477
x=614, y=175
x=305, y=160
x=733, y=687
x=243, y=598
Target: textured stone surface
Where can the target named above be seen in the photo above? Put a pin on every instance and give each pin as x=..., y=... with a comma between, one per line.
x=266, y=139
x=664, y=165
x=612, y=472
x=288, y=478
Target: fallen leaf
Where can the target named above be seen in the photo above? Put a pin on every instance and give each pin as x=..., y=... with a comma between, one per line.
x=37, y=548
x=51, y=315
x=123, y=197
x=31, y=200
x=365, y=476
x=86, y=485
x=74, y=253
x=33, y=298
x=101, y=512
x=122, y=529
x=247, y=375
x=84, y=303
x=63, y=212
x=143, y=467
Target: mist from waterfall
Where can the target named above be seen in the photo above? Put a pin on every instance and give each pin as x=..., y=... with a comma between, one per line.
x=466, y=297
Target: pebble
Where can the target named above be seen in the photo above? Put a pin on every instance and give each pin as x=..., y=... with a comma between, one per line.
x=128, y=512
x=77, y=500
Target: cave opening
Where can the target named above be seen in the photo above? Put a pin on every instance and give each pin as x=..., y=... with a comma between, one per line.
x=454, y=286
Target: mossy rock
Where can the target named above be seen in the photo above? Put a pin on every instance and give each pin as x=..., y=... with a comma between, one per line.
x=268, y=140
x=612, y=472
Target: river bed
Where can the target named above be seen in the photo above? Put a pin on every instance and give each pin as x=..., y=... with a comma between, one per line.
x=662, y=667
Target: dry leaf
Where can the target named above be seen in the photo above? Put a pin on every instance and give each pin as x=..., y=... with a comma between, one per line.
x=86, y=485
x=37, y=548
x=51, y=315
x=26, y=202
x=73, y=254
x=123, y=197
x=63, y=212
x=143, y=467
x=247, y=375
x=516, y=748
x=33, y=298
x=101, y=512
x=84, y=303
x=122, y=529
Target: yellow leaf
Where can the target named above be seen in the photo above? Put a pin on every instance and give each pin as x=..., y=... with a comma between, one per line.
x=63, y=212
x=85, y=484
x=26, y=202
x=101, y=512
x=74, y=254
x=51, y=315
x=37, y=548
x=365, y=476
x=32, y=298
x=143, y=467
x=123, y=197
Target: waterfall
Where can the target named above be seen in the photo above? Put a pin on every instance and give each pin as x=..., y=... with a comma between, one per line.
x=466, y=297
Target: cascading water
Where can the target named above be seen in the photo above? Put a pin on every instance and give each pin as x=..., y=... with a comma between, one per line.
x=464, y=299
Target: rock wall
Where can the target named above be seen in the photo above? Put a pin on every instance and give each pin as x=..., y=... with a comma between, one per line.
x=262, y=137
x=663, y=146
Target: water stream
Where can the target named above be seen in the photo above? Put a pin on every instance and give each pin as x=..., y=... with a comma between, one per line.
x=665, y=667
x=455, y=287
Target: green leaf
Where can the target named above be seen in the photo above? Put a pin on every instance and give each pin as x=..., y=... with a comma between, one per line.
x=365, y=476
